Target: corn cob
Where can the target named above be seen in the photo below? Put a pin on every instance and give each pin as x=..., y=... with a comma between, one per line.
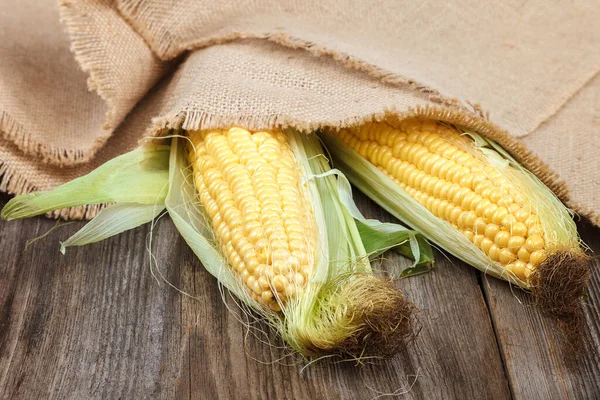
x=432, y=163
x=269, y=222
x=250, y=187
x=472, y=198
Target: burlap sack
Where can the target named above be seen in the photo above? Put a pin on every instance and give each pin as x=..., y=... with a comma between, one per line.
x=529, y=69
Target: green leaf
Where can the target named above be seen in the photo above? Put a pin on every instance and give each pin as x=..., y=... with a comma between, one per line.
x=378, y=237
x=113, y=220
x=140, y=176
x=341, y=248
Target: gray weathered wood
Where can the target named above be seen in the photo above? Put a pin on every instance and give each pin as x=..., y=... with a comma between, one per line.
x=96, y=324
x=536, y=364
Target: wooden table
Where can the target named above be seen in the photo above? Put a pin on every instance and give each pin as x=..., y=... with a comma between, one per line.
x=100, y=323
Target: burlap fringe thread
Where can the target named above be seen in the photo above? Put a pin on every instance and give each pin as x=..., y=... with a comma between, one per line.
x=14, y=132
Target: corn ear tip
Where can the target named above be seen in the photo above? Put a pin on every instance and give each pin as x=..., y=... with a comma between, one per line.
x=558, y=285
x=8, y=210
x=377, y=320
x=16, y=207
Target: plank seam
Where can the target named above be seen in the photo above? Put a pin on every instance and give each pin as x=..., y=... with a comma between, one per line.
x=486, y=299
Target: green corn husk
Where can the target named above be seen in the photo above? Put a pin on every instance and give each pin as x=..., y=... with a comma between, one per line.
x=138, y=177
x=344, y=310
x=557, y=283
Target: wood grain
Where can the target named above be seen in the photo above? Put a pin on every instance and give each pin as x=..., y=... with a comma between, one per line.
x=96, y=323
x=536, y=363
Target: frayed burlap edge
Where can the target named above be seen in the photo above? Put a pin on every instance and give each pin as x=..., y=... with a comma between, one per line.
x=86, y=212
x=12, y=182
x=585, y=212
x=476, y=121
x=14, y=132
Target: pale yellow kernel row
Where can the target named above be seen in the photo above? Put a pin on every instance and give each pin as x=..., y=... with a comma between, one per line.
x=249, y=187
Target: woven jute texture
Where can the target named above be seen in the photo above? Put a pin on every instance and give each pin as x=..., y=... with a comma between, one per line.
x=83, y=81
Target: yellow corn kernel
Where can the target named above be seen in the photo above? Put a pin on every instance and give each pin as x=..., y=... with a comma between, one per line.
x=505, y=256
x=519, y=268
x=515, y=243
x=491, y=230
x=537, y=257
x=250, y=187
x=501, y=239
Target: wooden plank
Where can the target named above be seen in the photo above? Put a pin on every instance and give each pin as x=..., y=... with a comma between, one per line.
x=92, y=323
x=536, y=364
x=96, y=324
